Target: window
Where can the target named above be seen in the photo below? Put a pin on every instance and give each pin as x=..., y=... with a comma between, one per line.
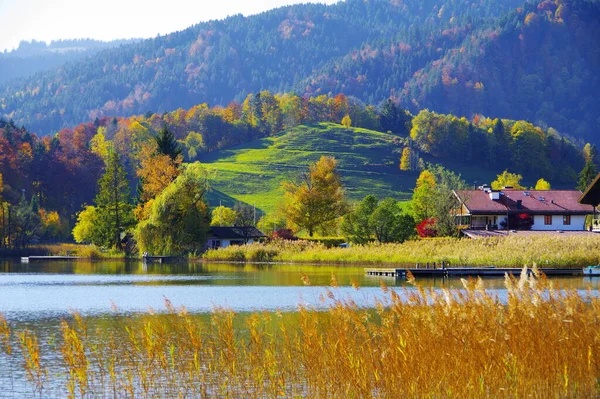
x=567, y=220
x=548, y=220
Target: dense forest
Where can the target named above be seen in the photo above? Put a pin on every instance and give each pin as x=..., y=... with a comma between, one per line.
x=540, y=63
x=57, y=175
x=225, y=60
x=34, y=56
x=534, y=61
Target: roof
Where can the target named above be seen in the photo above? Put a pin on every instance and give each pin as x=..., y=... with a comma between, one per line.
x=591, y=195
x=236, y=232
x=526, y=233
x=538, y=202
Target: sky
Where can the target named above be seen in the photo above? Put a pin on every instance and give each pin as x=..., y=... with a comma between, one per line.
x=46, y=20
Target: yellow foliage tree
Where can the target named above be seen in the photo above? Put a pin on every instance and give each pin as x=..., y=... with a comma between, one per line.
x=156, y=172
x=347, y=122
x=405, y=160
x=423, y=199
x=316, y=200
x=507, y=179
x=542, y=185
x=223, y=216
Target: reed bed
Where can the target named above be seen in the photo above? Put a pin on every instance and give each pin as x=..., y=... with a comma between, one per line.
x=537, y=342
x=546, y=251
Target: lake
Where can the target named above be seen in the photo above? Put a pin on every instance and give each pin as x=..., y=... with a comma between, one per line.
x=42, y=290
x=38, y=295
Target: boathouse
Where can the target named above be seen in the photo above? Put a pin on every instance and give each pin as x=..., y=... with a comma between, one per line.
x=222, y=237
x=509, y=209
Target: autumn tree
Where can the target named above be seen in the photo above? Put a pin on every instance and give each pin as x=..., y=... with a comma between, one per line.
x=223, y=216
x=542, y=184
x=113, y=203
x=347, y=122
x=317, y=199
x=178, y=220
x=507, y=179
x=424, y=196
x=406, y=159
x=85, y=229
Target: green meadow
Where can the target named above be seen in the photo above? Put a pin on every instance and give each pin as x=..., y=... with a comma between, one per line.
x=368, y=164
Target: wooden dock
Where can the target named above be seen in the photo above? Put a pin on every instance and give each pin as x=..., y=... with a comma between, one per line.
x=468, y=271
x=27, y=259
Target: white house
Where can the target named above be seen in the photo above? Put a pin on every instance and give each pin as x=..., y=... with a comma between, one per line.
x=222, y=237
x=508, y=209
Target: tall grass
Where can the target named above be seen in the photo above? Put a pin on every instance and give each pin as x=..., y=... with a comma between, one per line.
x=546, y=251
x=540, y=342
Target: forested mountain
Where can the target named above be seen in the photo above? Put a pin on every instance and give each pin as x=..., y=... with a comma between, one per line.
x=35, y=56
x=541, y=63
x=220, y=61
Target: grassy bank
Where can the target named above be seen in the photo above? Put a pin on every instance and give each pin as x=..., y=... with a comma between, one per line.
x=90, y=252
x=549, y=251
x=453, y=344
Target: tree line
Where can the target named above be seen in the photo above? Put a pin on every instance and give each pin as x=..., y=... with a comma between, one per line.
x=56, y=175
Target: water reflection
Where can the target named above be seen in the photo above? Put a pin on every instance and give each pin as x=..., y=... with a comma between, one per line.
x=40, y=290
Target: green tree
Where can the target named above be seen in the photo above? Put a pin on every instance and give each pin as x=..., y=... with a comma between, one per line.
x=390, y=224
x=507, y=179
x=223, y=216
x=394, y=119
x=179, y=219
x=167, y=144
x=445, y=203
x=542, y=184
x=113, y=204
x=587, y=174
x=245, y=215
x=27, y=222
x=194, y=144
x=355, y=225
x=316, y=200
x=424, y=196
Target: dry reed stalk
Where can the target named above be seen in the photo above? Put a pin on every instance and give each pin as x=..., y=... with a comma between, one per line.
x=538, y=342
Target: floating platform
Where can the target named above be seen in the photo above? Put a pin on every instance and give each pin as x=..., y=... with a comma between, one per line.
x=468, y=271
x=27, y=259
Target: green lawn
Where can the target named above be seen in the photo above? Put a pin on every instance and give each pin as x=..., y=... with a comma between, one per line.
x=253, y=172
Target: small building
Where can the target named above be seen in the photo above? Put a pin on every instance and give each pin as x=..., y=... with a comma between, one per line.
x=222, y=237
x=591, y=196
x=508, y=209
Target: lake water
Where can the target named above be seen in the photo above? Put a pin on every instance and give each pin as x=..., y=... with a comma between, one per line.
x=42, y=290
x=39, y=295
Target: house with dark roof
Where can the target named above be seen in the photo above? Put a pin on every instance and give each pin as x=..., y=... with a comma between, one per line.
x=222, y=237
x=508, y=209
x=591, y=196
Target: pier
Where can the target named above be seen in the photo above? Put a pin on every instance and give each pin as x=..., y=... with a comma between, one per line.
x=26, y=259
x=468, y=271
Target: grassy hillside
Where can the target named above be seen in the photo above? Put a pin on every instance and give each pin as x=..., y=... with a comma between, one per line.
x=368, y=163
